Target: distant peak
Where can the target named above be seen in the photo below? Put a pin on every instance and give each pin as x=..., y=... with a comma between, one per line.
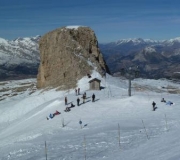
x=20, y=39
x=3, y=41
x=37, y=36
x=135, y=41
x=175, y=39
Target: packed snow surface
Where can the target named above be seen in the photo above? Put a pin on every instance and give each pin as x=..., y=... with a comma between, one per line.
x=73, y=27
x=114, y=127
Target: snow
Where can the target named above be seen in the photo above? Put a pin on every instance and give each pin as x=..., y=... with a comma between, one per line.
x=73, y=27
x=24, y=127
x=149, y=49
x=136, y=41
x=3, y=41
x=171, y=42
x=19, y=51
x=175, y=39
x=151, y=41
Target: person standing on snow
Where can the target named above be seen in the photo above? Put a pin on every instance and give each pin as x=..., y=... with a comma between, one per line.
x=85, y=95
x=78, y=100
x=78, y=91
x=65, y=100
x=93, y=97
x=154, y=104
x=84, y=98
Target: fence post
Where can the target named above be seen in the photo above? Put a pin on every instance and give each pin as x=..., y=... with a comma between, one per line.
x=45, y=150
x=80, y=123
x=119, y=138
x=166, y=123
x=84, y=147
x=145, y=130
x=62, y=121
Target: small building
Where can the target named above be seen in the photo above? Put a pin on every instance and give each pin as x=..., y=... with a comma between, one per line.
x=94, y=84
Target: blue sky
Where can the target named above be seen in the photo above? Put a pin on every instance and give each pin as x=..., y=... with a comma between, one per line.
x=110, y=19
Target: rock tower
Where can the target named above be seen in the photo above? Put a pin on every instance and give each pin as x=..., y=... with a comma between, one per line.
x=66, y=55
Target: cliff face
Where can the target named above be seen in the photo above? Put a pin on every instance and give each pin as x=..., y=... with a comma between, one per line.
x=66, y=55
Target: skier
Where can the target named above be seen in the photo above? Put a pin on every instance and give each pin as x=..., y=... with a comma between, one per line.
x=84, y=97
x=65, y=100
x=51, y=115
x=169, y=103
x=56, y=113
x=78, y=91
x=80, y=122
x=163, y=100
x=72, y=105
x=93, y=97
x=154, y=104
x=67, y=109
x=78, y=100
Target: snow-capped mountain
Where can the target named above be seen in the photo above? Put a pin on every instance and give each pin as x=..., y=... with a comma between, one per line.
x=136, y=41
x=19, y=57
x=172, y=41
x=156, y=59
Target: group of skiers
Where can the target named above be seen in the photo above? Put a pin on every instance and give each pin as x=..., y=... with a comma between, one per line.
x=67, y=109
x=162, y=100
x=78, y=99
x=77, y=91
x=53, y=115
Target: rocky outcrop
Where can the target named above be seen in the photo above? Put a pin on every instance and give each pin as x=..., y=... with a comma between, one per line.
x=66, y=55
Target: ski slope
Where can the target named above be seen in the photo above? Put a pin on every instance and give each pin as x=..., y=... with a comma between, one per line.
x=144, y=134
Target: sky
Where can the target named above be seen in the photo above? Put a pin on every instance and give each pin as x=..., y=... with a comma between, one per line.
x=110, y=19
x=142, y=134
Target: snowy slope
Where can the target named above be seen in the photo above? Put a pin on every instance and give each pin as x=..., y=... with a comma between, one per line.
x=24, y=127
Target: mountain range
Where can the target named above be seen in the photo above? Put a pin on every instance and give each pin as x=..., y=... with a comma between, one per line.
x=155, y=59
x=20, y=58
